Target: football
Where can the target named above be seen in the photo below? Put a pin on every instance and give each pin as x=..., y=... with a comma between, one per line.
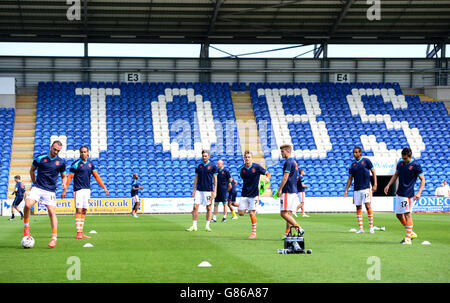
x=27, y=242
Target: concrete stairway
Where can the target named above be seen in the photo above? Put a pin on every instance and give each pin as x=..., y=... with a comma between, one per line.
x=248, y=130
x=23, y=141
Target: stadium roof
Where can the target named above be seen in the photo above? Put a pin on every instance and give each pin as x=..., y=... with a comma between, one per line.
x=226, y=21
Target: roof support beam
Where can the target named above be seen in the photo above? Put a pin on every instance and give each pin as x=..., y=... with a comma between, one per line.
x=341, y=17
x=432, y=50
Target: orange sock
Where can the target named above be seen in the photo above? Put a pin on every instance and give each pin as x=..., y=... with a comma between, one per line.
x=370, y=217
x=409, y=228
x=26, y=221
x=54, y=233
x=82, y=222
x=78, y=223
x=253, y=219
x=360, y=220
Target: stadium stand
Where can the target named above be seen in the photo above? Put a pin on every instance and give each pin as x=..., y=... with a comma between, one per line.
x=141, y=127
x=132, y=125
x=6, y=135
x=324, y=121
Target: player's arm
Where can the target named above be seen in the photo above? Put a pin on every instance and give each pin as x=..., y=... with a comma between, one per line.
x=421, y=187
x=393, y=179
x=64, y=180
x=32, y=174
x=229, y=183
x=100, y=181
x=68, y=180
x=283, y=183
x=304, y=185
x=15, y=191
x=215, y=185
x=195, y=185
x=375, y=184
x=347, y=186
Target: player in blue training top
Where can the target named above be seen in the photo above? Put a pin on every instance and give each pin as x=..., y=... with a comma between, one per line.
x=232, y=194
x=81, y=171
x=48, y=167
x=135, y=187
x=287, y=192
x=205, y=189
x=224, y=180
x=360, y=170
x=301, y=187
x=251, y=173
x=19, y=192
x=408, y=170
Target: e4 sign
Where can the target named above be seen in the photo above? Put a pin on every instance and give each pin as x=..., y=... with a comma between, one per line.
x=341, y=77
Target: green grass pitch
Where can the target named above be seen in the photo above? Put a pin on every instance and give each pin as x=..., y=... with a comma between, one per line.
x=156, y=248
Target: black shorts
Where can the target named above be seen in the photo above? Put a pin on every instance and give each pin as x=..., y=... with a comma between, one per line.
x=232, y=197
x=221, y=197
x=17, y=201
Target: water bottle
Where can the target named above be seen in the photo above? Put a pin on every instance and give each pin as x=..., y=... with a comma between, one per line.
x=285, y=251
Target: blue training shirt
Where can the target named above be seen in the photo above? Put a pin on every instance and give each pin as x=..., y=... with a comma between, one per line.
x=48, y=170
x=205, y=173
x=223, y=179
x=407, y=176
x=82, y=172
x=135, y=184
x=291, y=167
x=250, y=176
x=360, y=170
x=300, y=180
x=20, y=189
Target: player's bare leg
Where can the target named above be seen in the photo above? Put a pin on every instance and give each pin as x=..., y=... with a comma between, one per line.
x=406, y=220
x=26, y=216
x=225, y=211
x=208, y=217
x=230, y=205
x=290, y=221
x=216, y=210
x=194, y=218
x=54, y=224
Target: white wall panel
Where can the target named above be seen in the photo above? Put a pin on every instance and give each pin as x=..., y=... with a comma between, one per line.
x=302, y=76
x=230, y=76
x=425, y=78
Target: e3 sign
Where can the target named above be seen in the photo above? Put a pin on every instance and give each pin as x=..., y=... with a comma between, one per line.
x=133, y=77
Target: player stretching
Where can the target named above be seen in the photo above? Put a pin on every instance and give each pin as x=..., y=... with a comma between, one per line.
x=81, y=171
x=288, y=190
x=360, y=170
x=223, y=186
x=135, y=187
x=19, y=192
x=408, y=169
x=48, y=167
x=301, y=187
x=250, y=174
x=205, y=189
x=232, y=194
